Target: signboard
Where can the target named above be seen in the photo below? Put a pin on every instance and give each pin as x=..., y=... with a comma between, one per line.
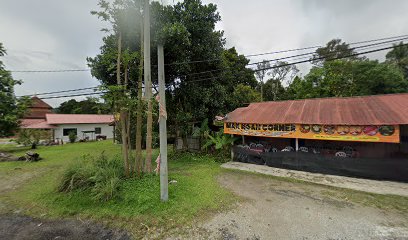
x=385, y=133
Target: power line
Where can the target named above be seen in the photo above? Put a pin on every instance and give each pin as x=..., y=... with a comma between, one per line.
x=278, y=59
x=298, y=55
x=65, y=91
x=209, y=60
x=379, y=39
x=216, y=77
x=304, y=61
x=285, y=51
x=71, y=90
x=50, y=71
x=328, y=59
x=256, y=70
x=74, y=95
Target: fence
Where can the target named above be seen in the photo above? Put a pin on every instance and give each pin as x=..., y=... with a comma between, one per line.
x=193, y=144
x=375, y=168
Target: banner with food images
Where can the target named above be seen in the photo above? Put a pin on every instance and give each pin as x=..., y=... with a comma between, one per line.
x=369, y=133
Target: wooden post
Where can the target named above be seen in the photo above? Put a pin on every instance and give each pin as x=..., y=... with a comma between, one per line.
x=164, y=192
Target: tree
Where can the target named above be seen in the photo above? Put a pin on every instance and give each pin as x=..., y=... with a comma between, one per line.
x=32, y=136
x=333, y=49
x=273, y=90
x=244, y=94
x=90, y=105
x=281, y=73
x=343, y=78
x=112, y=68
x=11, y=109
x=262, y=71
x=399, y=57
x=200, y=73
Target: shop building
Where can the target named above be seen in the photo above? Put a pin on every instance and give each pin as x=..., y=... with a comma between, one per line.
x=355, y=136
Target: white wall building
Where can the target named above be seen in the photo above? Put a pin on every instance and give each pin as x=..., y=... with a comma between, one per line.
x=83, y=131
x=85, y=126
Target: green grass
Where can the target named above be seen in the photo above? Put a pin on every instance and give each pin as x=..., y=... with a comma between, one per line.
x=195, y=195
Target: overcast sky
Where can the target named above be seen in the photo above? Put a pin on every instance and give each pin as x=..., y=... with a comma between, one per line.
x=57, y=34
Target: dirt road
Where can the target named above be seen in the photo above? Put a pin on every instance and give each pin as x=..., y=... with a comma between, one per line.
x=14, y=227
x=283, y=210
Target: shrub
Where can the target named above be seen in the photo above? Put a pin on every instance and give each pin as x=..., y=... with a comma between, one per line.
x=219, y=141
x=72, y=136
x=101, y=176
x=31, y=136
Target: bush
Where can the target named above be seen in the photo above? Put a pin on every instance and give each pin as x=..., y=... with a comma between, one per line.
x=101, y=176
x=219, y=141
x=72, y=136
x=32, y=136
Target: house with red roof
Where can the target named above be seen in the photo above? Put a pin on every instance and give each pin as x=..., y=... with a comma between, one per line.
x=85, y=126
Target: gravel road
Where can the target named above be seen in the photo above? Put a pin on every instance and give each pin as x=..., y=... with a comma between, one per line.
x=282, y=210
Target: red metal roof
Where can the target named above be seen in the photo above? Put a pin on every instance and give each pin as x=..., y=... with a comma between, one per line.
x=78, y=118
x=35, y=124
x=391, y=109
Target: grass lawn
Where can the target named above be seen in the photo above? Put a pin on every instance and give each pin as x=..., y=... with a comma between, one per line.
x=195, y=195
x=30, y=188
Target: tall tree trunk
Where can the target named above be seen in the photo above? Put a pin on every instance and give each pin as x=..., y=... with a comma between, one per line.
x=139, y=111
x=125, y=126
x=125, y=152
x=148, y=84
x=118, y=80
x=122, y=113
x=127, y=71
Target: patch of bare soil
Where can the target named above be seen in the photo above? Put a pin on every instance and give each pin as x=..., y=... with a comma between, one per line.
x=17, y=227
x=5, y=157
x=283, y=210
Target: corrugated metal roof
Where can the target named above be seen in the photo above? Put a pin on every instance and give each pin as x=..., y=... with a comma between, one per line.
x=391, y=109
x=78, y=118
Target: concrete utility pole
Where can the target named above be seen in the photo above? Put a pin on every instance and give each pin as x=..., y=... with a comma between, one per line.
x=148, y=83
x=164, y=183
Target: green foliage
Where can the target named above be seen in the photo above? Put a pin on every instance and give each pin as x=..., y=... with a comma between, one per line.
x=11, y=109
x=195, y=196
x=203, y=130
x=244, y=94
x=187, y=30
x=399, y=57
x=32, y=137
x=219, y=140
x=72, y=136
x=100, y=176
x=333, y=49
x=273, y=90
x=349, y=78
x=90, y=105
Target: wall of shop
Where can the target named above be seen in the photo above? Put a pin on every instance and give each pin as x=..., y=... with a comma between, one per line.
x=382, y=168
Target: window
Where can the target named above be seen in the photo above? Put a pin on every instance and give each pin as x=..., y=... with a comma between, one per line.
x=98, y=130
x=66, y=131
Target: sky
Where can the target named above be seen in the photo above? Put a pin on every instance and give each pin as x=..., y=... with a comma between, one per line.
x=57, y=34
